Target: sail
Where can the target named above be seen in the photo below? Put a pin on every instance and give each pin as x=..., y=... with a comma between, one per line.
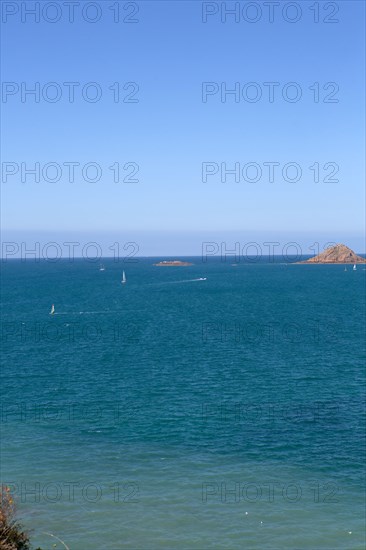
x=123, y=277
x=52, y=310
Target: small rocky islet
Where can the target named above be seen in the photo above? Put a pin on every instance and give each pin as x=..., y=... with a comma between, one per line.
x=338, y=254
x=173, y=263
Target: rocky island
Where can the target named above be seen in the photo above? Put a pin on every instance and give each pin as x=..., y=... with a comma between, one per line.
x=338, y=254
x=173, y=263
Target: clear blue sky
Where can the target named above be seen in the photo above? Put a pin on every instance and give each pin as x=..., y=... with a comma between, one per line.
x=170, y=131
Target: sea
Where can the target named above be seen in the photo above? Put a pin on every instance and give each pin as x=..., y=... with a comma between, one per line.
x=212, y=406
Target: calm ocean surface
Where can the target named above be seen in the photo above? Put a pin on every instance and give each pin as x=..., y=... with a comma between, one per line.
x=176, y=413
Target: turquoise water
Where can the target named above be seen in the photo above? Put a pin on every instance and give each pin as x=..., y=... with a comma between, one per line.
x=176, y=413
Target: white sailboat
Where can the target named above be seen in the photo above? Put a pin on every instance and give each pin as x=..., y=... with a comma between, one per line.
x=52, y=310
x=354, y=267
x=101, y=268
x=124, y=280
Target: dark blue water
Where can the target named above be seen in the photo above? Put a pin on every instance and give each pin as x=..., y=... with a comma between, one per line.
x=171, y=412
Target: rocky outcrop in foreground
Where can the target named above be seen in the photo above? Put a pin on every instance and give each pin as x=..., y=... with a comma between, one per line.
x=338, y=254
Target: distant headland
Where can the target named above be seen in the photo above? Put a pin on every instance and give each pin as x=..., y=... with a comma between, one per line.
x=173, y=263
x=338, y=254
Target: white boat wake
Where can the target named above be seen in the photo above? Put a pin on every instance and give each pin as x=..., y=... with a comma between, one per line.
x=81, y=312
x=178, y=282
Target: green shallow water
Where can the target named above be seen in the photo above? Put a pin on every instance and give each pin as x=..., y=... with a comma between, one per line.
x=176, y=413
